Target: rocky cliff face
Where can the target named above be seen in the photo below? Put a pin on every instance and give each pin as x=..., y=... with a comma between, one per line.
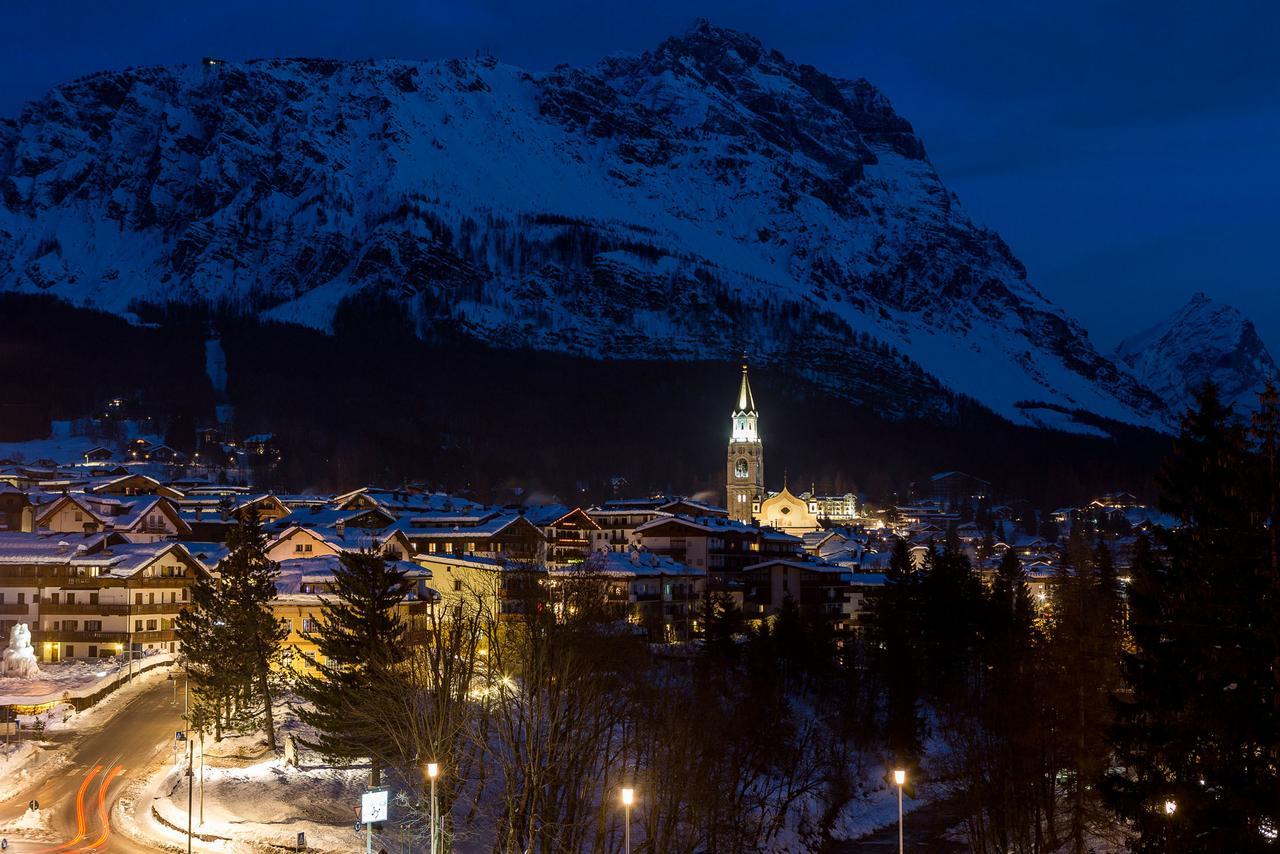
x=1202, y=341
x=703, y=198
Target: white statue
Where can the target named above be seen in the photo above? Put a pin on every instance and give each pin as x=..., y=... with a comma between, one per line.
x=20, y=657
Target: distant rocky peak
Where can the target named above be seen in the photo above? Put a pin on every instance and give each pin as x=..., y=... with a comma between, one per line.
x=1203, y=340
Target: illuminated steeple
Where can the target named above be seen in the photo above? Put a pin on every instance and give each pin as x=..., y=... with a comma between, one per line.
x=745, y=417
x=746, y=403
x=744, y=487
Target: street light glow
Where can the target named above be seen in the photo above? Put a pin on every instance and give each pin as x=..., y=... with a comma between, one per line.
x=433, y=770
x=900, y=777
x=1170, y=807
x=628, y=797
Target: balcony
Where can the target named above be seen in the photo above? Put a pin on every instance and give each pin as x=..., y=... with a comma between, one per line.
x=158, y=608
x=15, y=608
x=153, y=636
x=49, y=608
x=77, y=636
x=79, y=582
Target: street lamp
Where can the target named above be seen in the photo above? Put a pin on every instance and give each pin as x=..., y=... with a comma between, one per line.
x=900, y=778
x=433, y=771
x=1170, y=807
x=628, y=798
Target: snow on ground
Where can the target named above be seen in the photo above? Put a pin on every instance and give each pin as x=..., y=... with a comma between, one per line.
x=68, y=679
x=876, y=806
x=61, y=445
x=65, y=445
x=248, y=806
x=32, y=824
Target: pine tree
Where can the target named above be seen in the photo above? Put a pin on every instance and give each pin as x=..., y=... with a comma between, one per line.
x=1000, y=748
x=894, y=638
x=248, y=586
x=953, y=605
x=1199, y=728
x=360, y=644
x=231, y=640
x=209, y=652
x=1082, y=664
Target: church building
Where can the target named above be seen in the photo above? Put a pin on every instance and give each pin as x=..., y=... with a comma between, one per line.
x=745, y=494
x=744, y=488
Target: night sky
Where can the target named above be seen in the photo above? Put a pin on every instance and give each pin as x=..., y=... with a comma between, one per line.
x=1127, y=152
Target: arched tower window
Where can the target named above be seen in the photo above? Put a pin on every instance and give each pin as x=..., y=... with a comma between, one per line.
x=740, y=469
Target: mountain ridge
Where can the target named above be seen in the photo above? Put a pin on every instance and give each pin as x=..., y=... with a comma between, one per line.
x=687, y=202
x=1204, y=340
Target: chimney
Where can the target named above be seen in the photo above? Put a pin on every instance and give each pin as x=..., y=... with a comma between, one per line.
x=199, y=513
x=28, y=525
x=63, y=547
x=341, y=528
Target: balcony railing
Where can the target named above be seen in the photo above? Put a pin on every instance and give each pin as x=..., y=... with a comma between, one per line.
x=114, y=608
x=79, y=582
x=78, y=636
x=14, y=608
x=158, y=608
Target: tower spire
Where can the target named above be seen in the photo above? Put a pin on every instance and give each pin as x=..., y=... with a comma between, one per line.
x=746, y=402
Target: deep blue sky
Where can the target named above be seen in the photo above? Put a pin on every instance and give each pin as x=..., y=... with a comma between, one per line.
x=1129, y=152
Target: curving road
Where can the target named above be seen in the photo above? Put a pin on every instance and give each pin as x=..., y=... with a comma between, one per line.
x=81, y=795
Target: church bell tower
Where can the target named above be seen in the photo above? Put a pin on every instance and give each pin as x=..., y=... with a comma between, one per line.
x=744, y=485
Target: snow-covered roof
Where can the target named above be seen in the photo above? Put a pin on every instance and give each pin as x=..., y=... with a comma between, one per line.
x=121, y=559
x=803, y=565
x=633, y=563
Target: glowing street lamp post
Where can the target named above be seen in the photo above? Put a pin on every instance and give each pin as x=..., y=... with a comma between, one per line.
x=900, y=778
x=433, y=771
x=628, y=798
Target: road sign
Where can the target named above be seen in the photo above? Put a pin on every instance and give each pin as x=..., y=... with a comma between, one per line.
x=180, y=735
x=373, y=806
x=302, y=841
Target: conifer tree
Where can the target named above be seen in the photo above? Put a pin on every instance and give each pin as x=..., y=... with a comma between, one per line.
x=209, y=652
x=953, y=604
x=248, y=585
x=1000, y=748
x=360, y=645
x=894, y=637
x=1198, y=729
x=231, y=640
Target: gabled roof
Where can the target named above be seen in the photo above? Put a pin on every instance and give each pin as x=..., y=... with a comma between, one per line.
x=107, y=556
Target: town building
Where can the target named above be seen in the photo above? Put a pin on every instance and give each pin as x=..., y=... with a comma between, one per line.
x=650, y=590
x=94, y=596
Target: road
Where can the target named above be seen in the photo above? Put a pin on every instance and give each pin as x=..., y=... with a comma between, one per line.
x=83, y=793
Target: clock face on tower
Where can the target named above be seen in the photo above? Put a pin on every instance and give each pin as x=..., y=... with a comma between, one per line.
x=740, y=469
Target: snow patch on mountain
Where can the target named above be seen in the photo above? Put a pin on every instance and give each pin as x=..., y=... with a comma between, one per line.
x=1203, y=341
x=705, y=197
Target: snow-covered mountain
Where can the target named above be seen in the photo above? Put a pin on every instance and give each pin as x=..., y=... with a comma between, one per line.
x=1203, y=340
x=703, y=198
